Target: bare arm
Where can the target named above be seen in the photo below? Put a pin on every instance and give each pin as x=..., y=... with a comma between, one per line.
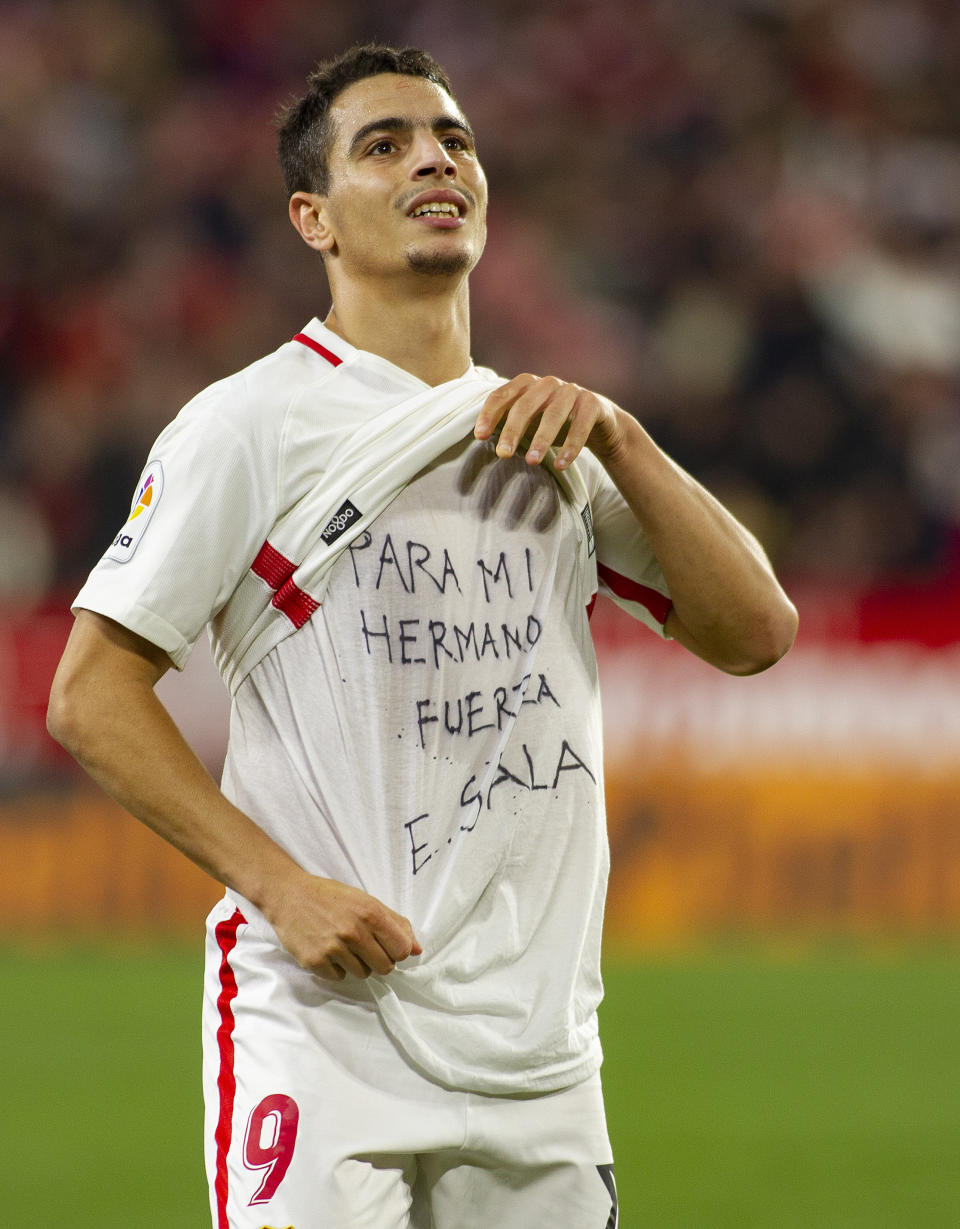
x=104, y=710
x=728, y=607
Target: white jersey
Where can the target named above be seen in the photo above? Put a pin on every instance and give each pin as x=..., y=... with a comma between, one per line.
x=431, y=730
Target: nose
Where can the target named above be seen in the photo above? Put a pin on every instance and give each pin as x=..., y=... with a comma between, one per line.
x=430, y=158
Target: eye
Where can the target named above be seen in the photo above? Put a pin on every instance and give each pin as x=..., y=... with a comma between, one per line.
x=382, y=146
x=453, y=142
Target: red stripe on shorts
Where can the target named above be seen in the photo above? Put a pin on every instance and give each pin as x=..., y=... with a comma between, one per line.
x=632, y=591
x=321, y=350
x=226, y=933
x=277, y=570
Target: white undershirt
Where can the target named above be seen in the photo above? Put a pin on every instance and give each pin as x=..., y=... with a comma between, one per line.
x=433, y=736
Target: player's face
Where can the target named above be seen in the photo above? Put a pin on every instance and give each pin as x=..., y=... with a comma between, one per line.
x=407, y=191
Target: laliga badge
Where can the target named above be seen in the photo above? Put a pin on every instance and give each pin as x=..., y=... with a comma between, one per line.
x=148, y=496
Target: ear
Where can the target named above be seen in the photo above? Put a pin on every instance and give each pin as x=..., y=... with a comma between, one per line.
x=308, y=213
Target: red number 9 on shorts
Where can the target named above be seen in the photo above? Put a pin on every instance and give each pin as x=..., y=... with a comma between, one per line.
x=283, y=1116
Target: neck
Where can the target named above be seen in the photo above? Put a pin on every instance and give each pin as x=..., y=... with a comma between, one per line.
x=426, y=332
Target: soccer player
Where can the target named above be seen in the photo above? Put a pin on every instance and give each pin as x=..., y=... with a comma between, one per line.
x=397, y=553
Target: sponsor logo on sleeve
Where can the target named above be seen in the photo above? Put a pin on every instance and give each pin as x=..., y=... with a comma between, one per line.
x=345, y=516
x=587, y=517
x=144, y=504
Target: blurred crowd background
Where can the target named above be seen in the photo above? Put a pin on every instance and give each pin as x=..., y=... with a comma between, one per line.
x=739, y=218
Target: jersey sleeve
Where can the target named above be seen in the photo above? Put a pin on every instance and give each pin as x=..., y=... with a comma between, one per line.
x=627, y=569
x=203, y=506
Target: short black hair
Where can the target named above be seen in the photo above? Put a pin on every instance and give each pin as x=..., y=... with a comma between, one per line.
x=303, y=129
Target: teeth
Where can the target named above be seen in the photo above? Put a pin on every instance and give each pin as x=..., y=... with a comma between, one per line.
x=440, y=209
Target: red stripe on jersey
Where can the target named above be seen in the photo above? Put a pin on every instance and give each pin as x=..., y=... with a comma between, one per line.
x=226, y=934
x=632, y=591
x=590, y=606
x=321, y=350
x=297, y=605
x=271, y=566
x=277, y=570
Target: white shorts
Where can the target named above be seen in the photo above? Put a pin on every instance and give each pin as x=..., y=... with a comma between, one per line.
x=315, y=1121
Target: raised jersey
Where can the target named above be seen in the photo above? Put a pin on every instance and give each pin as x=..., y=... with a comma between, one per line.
x=431, y=730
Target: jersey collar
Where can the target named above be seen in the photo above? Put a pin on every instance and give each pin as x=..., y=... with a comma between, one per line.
x=335, y=350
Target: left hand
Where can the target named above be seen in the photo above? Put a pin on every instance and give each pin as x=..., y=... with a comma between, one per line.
x=564, y=410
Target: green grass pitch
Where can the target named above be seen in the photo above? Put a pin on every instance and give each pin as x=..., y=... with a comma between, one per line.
x=744, y=1091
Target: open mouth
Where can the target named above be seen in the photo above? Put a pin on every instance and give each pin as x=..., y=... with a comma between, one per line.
x=441, y=209
x=436, y=209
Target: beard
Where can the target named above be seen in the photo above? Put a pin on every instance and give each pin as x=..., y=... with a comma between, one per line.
x=439, y=264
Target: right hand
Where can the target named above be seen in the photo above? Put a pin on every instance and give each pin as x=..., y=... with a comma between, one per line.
x=333, y=929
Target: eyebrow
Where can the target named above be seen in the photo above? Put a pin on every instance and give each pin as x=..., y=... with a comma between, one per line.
x=398, y=123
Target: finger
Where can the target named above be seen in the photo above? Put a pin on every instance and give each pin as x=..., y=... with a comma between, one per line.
x=350, y=962
x=395, y=936
x=329, y=970
x=556, y=415
x=526, y=407
x=376, y=956
x=581, y=421
x=498, y=402
x=381, y=961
